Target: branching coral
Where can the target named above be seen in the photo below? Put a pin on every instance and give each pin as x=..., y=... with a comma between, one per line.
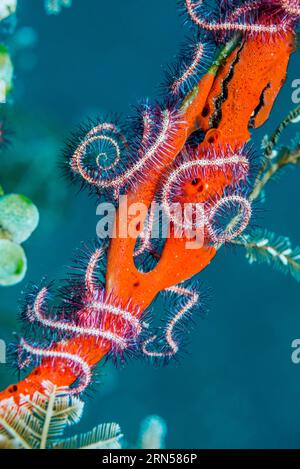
x=192, y=149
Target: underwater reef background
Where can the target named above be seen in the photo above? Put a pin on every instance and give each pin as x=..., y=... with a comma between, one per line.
x=237, y=386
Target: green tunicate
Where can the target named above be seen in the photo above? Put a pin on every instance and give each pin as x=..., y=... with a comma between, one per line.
x=7, y=8
x=6, y=73
x=18, y=217
x=13, y=263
